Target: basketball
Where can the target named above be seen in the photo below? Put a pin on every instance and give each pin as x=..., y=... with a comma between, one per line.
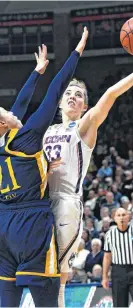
x=126, y=36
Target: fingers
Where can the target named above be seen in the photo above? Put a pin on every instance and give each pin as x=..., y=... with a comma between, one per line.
x=44, y=49
x=105, y=284
x=46, y=63
x=56, y=164
x=85, y=33
x=81, y=45
x=53, y=165
x=36, y=56
x=39, y=51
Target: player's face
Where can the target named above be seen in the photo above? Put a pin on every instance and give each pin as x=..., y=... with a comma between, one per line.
x=72, y=103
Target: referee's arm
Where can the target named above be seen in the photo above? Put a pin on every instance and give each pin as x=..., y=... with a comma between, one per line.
x=107, y=260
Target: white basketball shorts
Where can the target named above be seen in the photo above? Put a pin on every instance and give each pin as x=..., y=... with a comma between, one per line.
x=68, y=214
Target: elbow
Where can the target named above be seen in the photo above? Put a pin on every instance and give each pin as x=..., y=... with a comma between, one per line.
x=111, y=93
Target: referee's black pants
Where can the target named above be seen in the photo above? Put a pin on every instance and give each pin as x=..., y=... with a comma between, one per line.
x=122, y=284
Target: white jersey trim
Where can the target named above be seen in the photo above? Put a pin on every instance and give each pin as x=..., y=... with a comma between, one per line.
x=82, y=141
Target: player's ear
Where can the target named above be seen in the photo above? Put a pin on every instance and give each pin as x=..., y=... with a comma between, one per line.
x=85, y=108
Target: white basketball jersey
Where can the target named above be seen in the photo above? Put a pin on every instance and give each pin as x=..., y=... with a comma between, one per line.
x=59, y=141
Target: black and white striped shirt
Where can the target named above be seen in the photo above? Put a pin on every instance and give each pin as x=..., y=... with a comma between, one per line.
x=120, y=244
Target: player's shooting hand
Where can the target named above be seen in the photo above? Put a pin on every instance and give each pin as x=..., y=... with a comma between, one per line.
x=41, y=59
x=54, y=164
x=81, y=45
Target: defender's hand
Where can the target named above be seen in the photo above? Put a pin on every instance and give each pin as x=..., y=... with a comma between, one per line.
x=81, y=45
x=41, y=59
x=54, y=164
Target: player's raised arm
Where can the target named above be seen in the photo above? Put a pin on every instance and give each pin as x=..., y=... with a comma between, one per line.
x=42, y=118
x=96, y=115
x=24, y=97
x=100, y=111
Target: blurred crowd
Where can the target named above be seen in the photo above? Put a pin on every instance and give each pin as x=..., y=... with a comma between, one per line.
x=108, y=185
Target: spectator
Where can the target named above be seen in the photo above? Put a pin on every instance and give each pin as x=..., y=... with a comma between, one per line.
x=110, y=203
x=126, y=204
x=105, y=170
x=92, y=167
x=112, y=156
x=96, y=275
x=73, y=277
x=104, y=212
x=130, y=159
x=119, y=171
x=89, y=223
x=86, y=238
x=117, y=194
x=91, y=202
x=132, y=198
x=99, y=202
x=127, y=187
x=118, y=181
x=79, y=261
x=95, y=256
x=105, y=228
x=108, y=183
x=89, y=214
x=86, y=184
x=94, y=185
x=112, y=220
x=99, y=150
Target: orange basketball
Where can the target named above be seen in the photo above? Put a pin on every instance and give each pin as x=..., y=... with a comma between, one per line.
x=126, y=36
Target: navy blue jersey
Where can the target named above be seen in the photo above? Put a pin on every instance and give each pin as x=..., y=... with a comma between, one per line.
x=23, y=177
x=23, y=167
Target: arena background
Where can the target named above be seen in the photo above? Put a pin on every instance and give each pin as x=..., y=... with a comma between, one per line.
x=26, y=24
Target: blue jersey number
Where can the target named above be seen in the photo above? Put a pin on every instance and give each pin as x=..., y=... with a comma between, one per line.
x=53, y=152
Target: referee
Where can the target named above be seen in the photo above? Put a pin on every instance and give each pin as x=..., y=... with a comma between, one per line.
x=118, y=252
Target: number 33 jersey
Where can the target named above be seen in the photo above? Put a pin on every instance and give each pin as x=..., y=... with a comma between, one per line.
x=66, y=143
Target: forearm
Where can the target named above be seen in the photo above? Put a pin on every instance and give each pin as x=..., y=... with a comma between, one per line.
x=109, y=97
x=43, y=117
x=122, y=86
x=24, y=97
x=106, y=265
x=96, y=115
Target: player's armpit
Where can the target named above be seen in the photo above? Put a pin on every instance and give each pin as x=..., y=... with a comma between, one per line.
x=88, y=134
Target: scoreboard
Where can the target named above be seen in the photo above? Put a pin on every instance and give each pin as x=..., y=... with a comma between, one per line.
x=23, y=33
x=104, y=24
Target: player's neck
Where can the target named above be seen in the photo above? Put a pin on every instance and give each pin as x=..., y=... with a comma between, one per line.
x=67, y=119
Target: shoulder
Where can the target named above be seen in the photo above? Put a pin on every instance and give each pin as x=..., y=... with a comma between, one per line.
x=51, y=129
x=108, y=233
x=130, y=229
